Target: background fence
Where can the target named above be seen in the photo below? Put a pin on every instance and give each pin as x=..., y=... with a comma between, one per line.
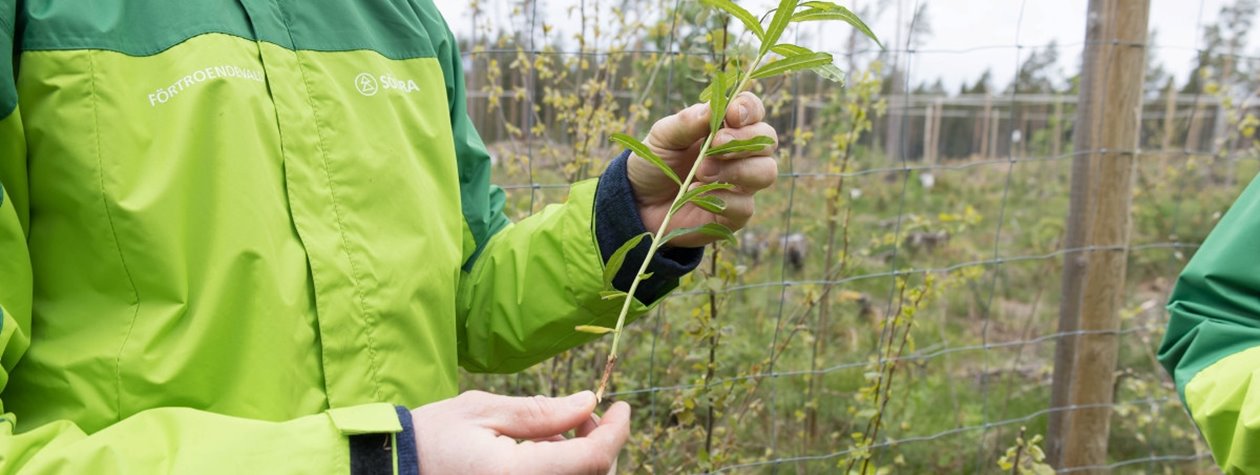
x=895, y=305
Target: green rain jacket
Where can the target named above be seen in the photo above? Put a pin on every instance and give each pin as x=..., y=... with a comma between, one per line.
x=1212, y=347
x=234, y=233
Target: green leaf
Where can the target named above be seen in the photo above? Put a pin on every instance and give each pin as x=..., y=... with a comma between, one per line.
x=827, y=71
x=792, y=63
x=645, y=276
x=827, y=11
x=612, y=294
x=697, y=191
x=732, y=77
x=619, y=257
x=718, y=101
x=712, y=229
x=593, y=329
x=740, y=13
x=788, y=49
x=710, y=203
x=778, y=24
x=760, y=142
x=645, y=153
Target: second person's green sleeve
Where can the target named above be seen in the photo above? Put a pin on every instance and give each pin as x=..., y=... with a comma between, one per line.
x=1212, y=347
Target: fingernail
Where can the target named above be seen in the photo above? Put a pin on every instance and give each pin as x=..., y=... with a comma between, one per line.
x=743, y=114
x=700, y=110
x=581, y=399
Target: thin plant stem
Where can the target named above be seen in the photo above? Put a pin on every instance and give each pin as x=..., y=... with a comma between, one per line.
x=820, y=330
x=711, y=369
x=1019, y=451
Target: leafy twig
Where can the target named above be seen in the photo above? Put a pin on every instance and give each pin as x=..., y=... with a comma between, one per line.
x=719, y=95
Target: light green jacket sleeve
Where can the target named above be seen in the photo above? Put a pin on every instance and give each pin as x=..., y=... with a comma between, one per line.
x=167, y=440
x=525, y=285
x=1212, y=347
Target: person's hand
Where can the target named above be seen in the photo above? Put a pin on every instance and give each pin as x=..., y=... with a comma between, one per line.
x=479, y=432
x=677, y=140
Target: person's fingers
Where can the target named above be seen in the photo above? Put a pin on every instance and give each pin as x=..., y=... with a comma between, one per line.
x=682, y=130
x=759, y=129
x=747, y=174
x=587, y=426
x=739, y=209
x=593, y=454
x=746, y=109
x=535, y=417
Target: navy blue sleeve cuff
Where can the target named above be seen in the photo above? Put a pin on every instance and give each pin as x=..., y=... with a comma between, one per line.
x=373, y=454
x=617, y=220
x=408, y=459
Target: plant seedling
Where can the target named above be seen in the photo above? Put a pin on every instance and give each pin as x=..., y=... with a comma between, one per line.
x=724, y=86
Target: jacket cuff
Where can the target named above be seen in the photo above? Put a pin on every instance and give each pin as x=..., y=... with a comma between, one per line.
x=405, y=442
x=381, y=453
x=617, y=220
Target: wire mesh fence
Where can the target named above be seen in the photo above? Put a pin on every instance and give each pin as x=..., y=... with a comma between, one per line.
x=894, y=306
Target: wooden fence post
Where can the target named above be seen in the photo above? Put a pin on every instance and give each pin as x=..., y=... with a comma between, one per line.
x=1056, y=142
x=1170, y=116
x=995, y=127
x=936, y=130
x=1106, y=140
x=985, y=129
x=1195, y=134
x=927, y=130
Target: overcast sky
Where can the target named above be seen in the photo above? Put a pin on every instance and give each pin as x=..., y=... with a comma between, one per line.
x=967, y=36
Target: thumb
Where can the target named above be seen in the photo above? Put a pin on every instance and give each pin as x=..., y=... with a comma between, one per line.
x=682, y=130
x=539, y=416
x=596, y=452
